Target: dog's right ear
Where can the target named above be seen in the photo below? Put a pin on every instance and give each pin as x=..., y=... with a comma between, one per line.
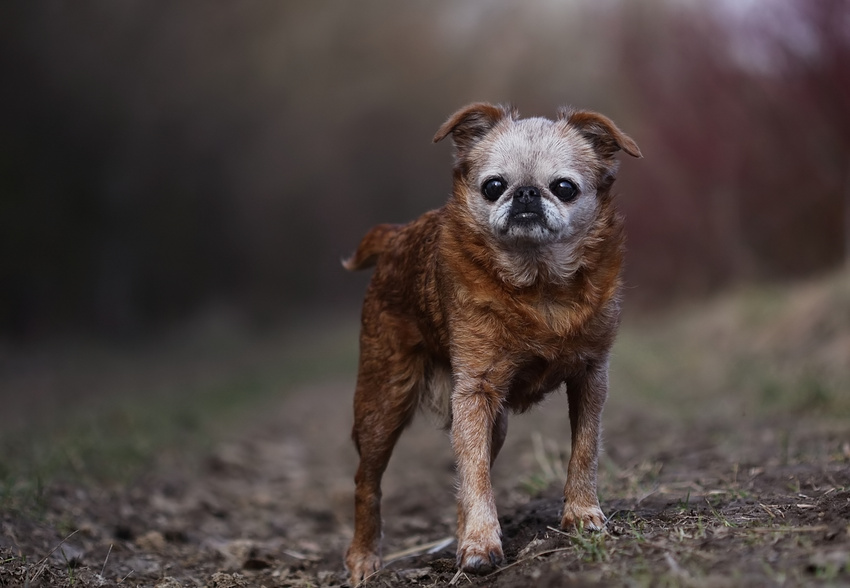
x=469, y=124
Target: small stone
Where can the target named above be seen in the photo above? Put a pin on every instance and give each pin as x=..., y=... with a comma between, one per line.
x=151, y=541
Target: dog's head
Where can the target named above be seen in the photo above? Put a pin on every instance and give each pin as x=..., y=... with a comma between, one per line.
x=531, y=185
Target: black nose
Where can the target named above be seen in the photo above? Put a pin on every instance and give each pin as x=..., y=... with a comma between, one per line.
x=526, y=205
x=526, y=194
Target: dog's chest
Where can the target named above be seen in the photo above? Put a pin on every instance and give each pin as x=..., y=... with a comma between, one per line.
x=545, y=344
x=533, y=379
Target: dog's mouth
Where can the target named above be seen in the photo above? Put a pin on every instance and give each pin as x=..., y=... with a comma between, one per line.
x=528, y=216
x=525, y=221
x=528, y=211
x=527, y=227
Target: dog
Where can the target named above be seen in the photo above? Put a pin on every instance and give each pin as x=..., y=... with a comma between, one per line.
x=482, y=307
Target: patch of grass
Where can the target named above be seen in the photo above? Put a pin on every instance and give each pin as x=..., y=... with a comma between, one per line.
x=534, y=484
x=684, y=505
x=551, y=466
x=720, y=516
x=111, y=438
x=590, y=546
x=771, y=351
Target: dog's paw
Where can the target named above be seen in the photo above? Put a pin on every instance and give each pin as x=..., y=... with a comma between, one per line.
x=361, y=565
x=480, y=557
x=587, y=518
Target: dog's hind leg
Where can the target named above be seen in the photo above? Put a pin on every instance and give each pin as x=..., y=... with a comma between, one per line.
x=384, y=403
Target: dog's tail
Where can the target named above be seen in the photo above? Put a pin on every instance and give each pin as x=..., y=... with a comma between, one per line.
x=376, y=241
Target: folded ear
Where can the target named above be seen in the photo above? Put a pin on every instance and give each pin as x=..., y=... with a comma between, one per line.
x=601, y=131
x=469, y=124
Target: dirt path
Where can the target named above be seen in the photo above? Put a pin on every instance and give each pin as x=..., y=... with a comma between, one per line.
x=714, y=503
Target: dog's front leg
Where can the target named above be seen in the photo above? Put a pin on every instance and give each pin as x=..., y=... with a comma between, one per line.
x=476, y=410
x=586, y=393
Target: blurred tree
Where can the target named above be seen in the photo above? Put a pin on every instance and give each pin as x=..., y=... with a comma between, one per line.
x=746, y=118
x=159, y=158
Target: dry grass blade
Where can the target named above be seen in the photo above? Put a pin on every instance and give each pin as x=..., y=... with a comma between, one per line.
x=432, y=547
x=457, y=577
x=299, y=555
x=540, y=456
x=558, y=531
x=42, y=564
x=812, y=529
x=675, y=568
x=525, y=559
x=102, y=569
x=121, y=581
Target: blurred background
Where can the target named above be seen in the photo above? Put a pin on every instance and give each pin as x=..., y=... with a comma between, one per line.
x=179, y=181
x=160, y=161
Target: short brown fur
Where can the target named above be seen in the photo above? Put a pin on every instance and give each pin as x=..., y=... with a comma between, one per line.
x=439, y=303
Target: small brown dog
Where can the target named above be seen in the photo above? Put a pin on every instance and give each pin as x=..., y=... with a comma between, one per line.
x=486, y=305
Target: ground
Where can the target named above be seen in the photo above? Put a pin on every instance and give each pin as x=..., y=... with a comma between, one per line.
x=726, y=462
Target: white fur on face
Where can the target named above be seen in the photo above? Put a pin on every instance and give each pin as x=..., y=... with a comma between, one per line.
x=534, y=152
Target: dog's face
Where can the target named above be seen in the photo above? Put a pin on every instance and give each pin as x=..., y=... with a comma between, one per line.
x=529, y=183
x=533, y=186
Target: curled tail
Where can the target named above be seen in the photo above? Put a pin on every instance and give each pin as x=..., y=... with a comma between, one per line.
x=376, y=241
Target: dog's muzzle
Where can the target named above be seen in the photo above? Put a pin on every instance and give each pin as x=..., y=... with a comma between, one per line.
x=526, y=206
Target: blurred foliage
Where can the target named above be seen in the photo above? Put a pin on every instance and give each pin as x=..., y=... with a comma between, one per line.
x=746, y=128
x=157, y=158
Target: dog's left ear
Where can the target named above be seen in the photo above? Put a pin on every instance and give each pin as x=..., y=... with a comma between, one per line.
x=469, y=124
x=601, y=131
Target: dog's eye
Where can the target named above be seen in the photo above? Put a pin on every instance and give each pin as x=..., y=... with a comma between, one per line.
x=565, y=190
x=493, y=188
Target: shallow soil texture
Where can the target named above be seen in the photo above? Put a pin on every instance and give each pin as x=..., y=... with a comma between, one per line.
x=734, y=481
x=273, y=507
